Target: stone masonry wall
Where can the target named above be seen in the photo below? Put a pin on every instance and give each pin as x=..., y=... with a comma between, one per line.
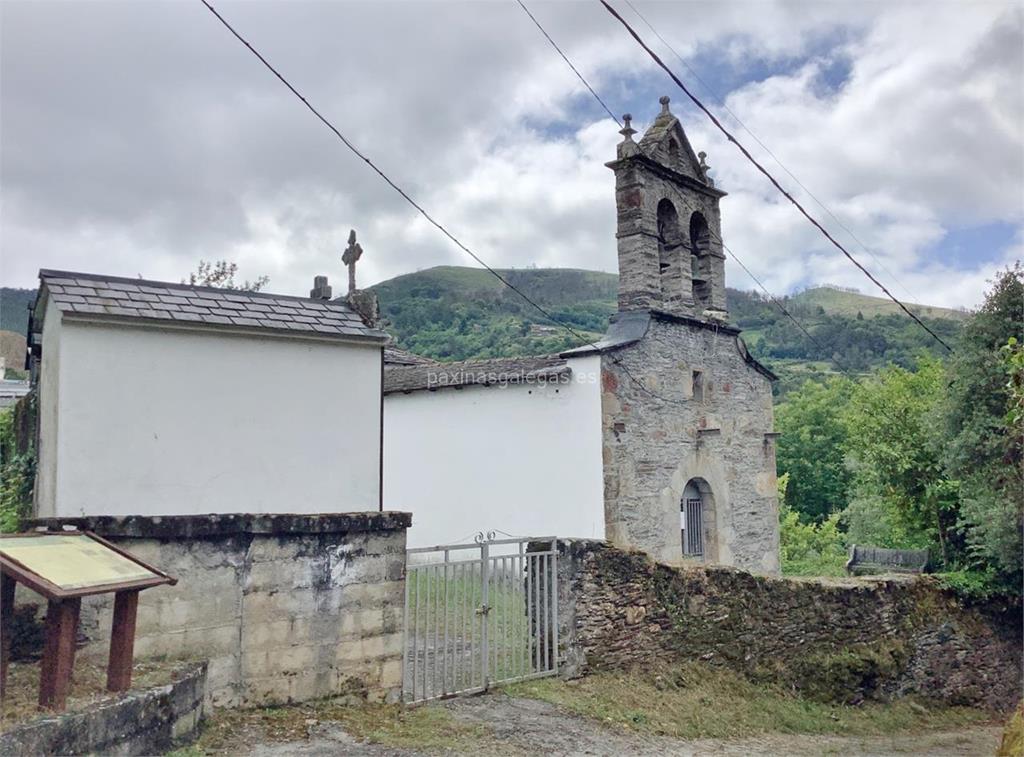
x=837, y=640
x=285, y=607
x=659, y=435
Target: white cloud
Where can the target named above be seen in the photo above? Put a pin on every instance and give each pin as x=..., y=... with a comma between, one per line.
x=140, y=138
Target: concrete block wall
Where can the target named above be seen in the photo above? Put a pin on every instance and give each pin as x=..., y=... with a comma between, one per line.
x=285, y=608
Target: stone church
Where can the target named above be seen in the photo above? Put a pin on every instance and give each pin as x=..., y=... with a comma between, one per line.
x=658, y=437
x=665, y=423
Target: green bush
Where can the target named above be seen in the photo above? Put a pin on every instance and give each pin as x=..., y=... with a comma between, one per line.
x=809, y=549
x=975, y=583
x=17, y=476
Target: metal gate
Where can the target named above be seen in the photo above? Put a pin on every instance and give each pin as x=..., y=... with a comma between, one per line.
x=479, y=614
x=693, y=534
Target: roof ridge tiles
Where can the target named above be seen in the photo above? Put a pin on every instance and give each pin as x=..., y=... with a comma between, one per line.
x=90, y=279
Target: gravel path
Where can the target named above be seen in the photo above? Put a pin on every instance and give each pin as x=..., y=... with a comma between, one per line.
x=531, y=727
x=541, y=728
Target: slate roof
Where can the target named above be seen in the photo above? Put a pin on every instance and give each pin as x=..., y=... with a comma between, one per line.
x=397, y=356
x=625, y=328
x=497, y=372
x=161, y=301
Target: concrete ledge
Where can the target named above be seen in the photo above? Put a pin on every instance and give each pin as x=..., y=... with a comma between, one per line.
x=149, y=721
x=268, y=600
x=214, y=525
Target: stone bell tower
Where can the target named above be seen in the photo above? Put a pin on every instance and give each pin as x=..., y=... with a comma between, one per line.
x=688, y=451
x=669, y=227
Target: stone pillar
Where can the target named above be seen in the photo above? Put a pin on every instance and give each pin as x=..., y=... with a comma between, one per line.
x=716, y=262
x=365, y=303
x=639, y=282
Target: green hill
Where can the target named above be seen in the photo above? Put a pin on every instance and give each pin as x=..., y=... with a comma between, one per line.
x=847, y=302
x=454, y=313
x=14, y=308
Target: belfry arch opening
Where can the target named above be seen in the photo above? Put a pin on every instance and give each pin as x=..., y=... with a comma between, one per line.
x=700, y=247
x=669, y=239
x=697, y=521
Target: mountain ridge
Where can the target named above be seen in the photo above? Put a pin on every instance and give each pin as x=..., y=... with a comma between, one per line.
x=460, y=313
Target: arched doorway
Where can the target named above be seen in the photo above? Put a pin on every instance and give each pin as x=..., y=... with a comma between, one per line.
x=696, y=519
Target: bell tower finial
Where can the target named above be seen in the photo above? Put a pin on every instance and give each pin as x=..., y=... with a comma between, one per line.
x=664, y=100
x=627, y=146
x=627, y=131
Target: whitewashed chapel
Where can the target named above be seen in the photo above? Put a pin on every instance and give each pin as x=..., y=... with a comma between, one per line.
x=659, y=437
x=166, y=399
x=160, y=398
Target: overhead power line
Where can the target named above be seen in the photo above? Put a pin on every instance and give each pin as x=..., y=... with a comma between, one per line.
x=569, y=63
x=767, y=174
x=765, y=147
x=721, y=241
x=543, y=311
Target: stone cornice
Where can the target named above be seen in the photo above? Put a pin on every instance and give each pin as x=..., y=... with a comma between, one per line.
x=667, y=173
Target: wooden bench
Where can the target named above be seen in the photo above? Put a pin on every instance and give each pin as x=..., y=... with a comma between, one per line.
x=880, y=560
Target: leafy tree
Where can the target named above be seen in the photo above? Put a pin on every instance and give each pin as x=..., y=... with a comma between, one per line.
x=221, y=274
x=812, y=447
x=17, y=475
x=985, y=428
x=900, y=493
x=809, y=549
x=1013, y=360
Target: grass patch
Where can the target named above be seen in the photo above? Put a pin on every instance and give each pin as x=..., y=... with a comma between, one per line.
x=1012, y=744
x=88, y=687
x=694, y=701
x=426, y=728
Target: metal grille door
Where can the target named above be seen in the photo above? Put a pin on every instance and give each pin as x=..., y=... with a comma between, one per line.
x=694, y=528
x=479, y=614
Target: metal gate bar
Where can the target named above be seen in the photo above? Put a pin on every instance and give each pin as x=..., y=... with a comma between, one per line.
x=488, y=616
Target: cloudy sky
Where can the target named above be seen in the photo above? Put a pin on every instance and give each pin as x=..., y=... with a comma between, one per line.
x=140, y=137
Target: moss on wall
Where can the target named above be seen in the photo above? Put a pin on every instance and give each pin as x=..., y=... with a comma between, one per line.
x=833, y=640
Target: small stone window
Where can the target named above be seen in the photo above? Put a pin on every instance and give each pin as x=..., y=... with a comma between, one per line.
x=698, y=386
x=673, y=154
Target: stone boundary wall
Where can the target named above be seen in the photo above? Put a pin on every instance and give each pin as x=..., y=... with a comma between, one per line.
x=141, y=722
x=834, y=640
x=284, y=607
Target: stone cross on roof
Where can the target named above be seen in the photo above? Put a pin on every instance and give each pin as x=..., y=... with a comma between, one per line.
x=352, y=253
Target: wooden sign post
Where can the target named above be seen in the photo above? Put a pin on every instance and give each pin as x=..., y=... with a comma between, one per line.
x=64, y=567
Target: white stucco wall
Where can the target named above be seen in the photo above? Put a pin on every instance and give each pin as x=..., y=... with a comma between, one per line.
x=49, y=376
x=159, y=421
x=525, y=459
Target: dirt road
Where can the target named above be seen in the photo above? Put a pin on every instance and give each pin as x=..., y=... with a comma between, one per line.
x=530, y=727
